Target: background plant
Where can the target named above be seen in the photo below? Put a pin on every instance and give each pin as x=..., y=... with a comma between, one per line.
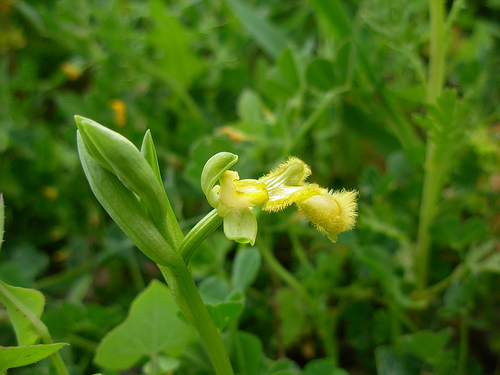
x=348, y=92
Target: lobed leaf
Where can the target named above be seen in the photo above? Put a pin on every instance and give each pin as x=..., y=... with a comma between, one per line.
x=151, y=327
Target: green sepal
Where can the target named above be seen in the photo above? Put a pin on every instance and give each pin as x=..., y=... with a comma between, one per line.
x=124, y=208
x=241, y=226
x=119, y=156
x=148, y=150
x=212, y=171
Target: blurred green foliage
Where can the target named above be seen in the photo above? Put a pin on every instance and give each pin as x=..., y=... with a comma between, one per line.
x=343, y=89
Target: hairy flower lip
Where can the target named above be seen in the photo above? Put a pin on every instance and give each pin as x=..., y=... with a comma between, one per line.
x=331, y=212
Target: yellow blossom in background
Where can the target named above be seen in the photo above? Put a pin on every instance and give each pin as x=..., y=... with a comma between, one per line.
x=72, y=71
x=119, y=111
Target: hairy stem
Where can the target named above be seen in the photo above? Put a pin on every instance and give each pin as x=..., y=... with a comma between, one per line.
x=433, y=176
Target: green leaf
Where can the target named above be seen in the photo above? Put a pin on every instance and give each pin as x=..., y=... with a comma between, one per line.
x=490, y=264
x=427, y=345
x=175, y=58
x=248, y=353
x=212, y=171
x=163, y=364
x=283, y=367
x=125, y=209
x=335, y=16
x=389, y=363
x=250, y=109
x=18, y=356
x=222, y=305
x=241, y=226
x=225, y=312
x=323, y=366
x=276, y=86
x=214, y=289
x=287, y=65
x=320, y=74
x=151, y=327
x=246, y=265
x=345, y=63
x=21, y=303
x=265, y=34
x=291, y=316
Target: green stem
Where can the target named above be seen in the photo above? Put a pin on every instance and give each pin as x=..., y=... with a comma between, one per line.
x=457, y=6
x=300, y=252
x=400, y=126
x=440, y=286
x=320, y=313
x=2, y=219
x=314, y=116
x=200, y=231
x=284, y=274
x=82, y=342
x=433, y=174
x=436, y=50
x=192, y=306
x=464, y=346
x=433, y=185
x=135, y=271
x=327, y=321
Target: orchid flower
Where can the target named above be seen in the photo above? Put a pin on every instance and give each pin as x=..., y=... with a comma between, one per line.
x=331, y=212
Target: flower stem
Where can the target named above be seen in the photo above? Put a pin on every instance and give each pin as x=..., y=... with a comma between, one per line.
x=200, y=231
x=188, y=299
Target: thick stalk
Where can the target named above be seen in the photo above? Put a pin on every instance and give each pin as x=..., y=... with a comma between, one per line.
x=433, y=176
x=188, y=298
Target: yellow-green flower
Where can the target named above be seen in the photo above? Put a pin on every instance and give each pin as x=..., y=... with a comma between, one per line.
x=331, y=212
